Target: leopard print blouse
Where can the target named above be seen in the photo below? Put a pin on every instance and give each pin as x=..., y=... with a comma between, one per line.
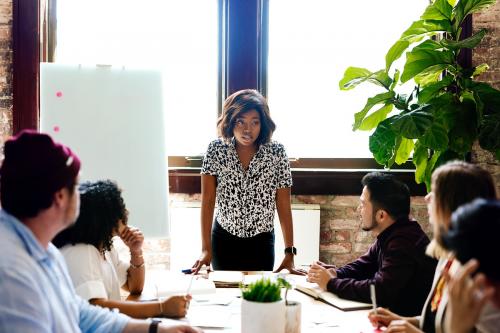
x=246, y=200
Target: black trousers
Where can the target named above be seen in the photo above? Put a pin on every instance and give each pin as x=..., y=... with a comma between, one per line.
x=232, y=253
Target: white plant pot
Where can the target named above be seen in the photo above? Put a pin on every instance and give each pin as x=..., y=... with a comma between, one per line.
x=262, y=317
x=293, y=317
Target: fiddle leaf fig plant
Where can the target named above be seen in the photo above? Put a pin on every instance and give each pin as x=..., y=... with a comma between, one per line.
x=447, y=110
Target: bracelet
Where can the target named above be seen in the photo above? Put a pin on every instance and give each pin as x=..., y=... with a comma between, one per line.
x=161, y=307
x=137, y=266
x=136, y=255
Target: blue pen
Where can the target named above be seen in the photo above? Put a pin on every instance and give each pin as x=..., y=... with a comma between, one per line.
x=187, y=271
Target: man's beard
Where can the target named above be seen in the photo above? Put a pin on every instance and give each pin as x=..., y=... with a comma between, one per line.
x=371, y=226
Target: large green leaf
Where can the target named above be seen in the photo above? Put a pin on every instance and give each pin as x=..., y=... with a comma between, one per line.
x=418, y=60
x=468, y=43
x=420, y=156
x=489, y=96
x=375, y=118
x=404, y=150
x=413, y=124
x=353, y=76
x=429, y=76
x=422, y=28
x=433, y=89
x=466, y=7
x=430, y=168
x=439, y=10
x=395, y=80
x=395, y=52
x=463, y=130
x=480, y=69
x=436, y=136
x=372, y=101
x=489, y=132
x=382, y=143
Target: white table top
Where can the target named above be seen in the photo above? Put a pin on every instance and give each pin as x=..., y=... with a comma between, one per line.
x=317, y=316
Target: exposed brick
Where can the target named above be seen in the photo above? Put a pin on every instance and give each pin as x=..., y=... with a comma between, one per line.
x=342, y=235
x=344, y=224
x=349, y=201
x=363, y=237
x=343, y=247
x=325, y=236
x=311, y=199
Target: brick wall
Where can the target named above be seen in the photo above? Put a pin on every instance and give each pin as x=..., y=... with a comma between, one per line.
x=5, y=70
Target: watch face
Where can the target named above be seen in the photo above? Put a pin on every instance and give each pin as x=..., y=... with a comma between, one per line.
x=291, y=249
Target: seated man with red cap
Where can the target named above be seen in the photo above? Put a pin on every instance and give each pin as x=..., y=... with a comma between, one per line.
x=39, y=198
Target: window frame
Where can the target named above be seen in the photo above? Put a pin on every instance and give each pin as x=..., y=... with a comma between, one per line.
x=242, y=63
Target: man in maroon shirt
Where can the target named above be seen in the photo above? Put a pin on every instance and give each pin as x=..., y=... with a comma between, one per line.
x=396, y=263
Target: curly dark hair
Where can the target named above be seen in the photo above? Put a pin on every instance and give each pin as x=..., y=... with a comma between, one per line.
x=101, y=208
x=239, y=103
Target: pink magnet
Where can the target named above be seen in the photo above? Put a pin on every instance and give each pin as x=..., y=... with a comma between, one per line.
x=56, y=128
x=59, y=94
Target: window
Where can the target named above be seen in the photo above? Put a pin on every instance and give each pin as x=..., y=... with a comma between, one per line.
x=177, y=37
x=291, y=50
x=311, y=43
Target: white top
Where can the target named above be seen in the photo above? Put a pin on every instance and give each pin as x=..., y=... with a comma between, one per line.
x=94, y=276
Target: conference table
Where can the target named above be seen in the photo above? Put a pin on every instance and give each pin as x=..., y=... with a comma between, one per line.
x=220, y=311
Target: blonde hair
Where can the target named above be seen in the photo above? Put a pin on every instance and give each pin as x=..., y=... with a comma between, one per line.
x=454, y=184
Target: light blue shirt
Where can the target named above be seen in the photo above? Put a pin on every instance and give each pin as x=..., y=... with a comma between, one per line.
x=36, y=293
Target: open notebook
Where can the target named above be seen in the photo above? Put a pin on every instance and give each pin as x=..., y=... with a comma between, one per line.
x=313, y=290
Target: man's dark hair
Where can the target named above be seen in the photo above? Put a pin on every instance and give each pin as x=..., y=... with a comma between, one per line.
x=101, y=208
x=474, y=235
x=388, y=193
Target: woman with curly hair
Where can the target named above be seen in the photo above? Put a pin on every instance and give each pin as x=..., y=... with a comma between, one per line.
x=93, y=263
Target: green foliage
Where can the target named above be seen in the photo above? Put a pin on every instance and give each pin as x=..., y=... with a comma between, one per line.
x=447, y=110
x=264, y=290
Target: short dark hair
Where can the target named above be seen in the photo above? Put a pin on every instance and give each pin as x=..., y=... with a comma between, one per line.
x=101, y=208
x=474, y=234
x=456, y=183
x=239, y=103
x=34, y=169
x=388, y=193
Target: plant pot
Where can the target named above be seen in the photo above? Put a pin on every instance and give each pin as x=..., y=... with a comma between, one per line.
x=262, y=317
x=293, y=320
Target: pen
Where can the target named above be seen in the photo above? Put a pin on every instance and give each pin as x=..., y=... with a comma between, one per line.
x=190, y=284
x=187, y=271
x=374, y=298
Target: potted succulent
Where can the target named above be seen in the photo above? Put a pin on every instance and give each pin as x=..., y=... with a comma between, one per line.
x=447, y=111
x=262, y=308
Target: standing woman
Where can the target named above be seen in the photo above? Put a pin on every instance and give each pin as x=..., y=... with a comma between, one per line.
x=248, y=176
